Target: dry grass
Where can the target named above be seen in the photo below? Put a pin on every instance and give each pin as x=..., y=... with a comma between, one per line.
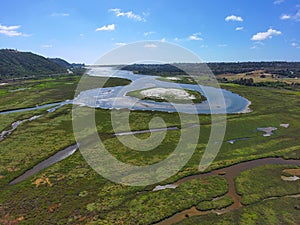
x=294, y=172
x=256, y=76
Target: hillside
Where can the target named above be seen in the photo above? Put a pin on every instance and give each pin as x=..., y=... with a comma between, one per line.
x=73, y=66
x=61, y=62
x=15, y=64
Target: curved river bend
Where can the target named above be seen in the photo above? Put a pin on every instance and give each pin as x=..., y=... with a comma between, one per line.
x=229, y=173
x=220, y=101
x=115, y=97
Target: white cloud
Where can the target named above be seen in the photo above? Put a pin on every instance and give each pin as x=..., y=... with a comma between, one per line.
x=195, y=37
x=295, y=17
x=120, y=44
x=203, y=46
x=145, y=13
x=60, y=14
x=163, y=40
x=265, y=35
x=47, y=46
x=222, y=45
x=192, y=37
x=150, y=46
x=129, y=14
x=277, y=2
x=239, y=28
x=11, y=31
x=294, y=44
x=257, y=45
x=2, y=27
x=285, y=17
x=107, y=28
x=149, y=33
x=234, y=18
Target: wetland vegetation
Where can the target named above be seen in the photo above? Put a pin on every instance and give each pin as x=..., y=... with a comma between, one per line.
x=71, y=192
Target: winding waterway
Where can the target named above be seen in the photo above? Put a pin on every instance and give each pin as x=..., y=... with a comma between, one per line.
x=52, y=107
x=115, y=97
x=219, y=101
x=14, y=126
x=229, y=174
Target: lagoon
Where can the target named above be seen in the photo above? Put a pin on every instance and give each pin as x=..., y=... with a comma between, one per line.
x=219, y=101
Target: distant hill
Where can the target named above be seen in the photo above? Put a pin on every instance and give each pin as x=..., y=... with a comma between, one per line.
x=61, y=62
x=15, y=64
x=65, y=64
x=284, y=69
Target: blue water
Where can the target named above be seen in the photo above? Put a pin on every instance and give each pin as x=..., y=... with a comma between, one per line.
x=52, y=106
x=218, y=100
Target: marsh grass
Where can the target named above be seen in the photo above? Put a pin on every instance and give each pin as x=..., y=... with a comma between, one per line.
x=274, y=211
x=254, y=187
x=85, y=196
x=30, y=93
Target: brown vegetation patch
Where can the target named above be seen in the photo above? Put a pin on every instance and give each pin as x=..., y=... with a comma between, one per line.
x=42, y=181
x=294, y=172
x=52, y=208
x=7, y=220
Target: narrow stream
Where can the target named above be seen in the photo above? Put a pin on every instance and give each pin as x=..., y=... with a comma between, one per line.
x=59, y=156
x=46, y=163
x=146, y=131
x=15, y=125
x=229, y=173
x=54, y=106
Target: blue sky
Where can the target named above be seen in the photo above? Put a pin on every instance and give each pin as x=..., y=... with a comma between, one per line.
x=216, y=30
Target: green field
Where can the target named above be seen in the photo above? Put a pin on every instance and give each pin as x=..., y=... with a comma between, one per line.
x=29, y=93
x=70, y=192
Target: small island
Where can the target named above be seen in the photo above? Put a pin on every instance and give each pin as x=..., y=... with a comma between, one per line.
x=174, y=95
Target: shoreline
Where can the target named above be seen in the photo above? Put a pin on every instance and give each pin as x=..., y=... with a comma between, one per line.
x=247, y=108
